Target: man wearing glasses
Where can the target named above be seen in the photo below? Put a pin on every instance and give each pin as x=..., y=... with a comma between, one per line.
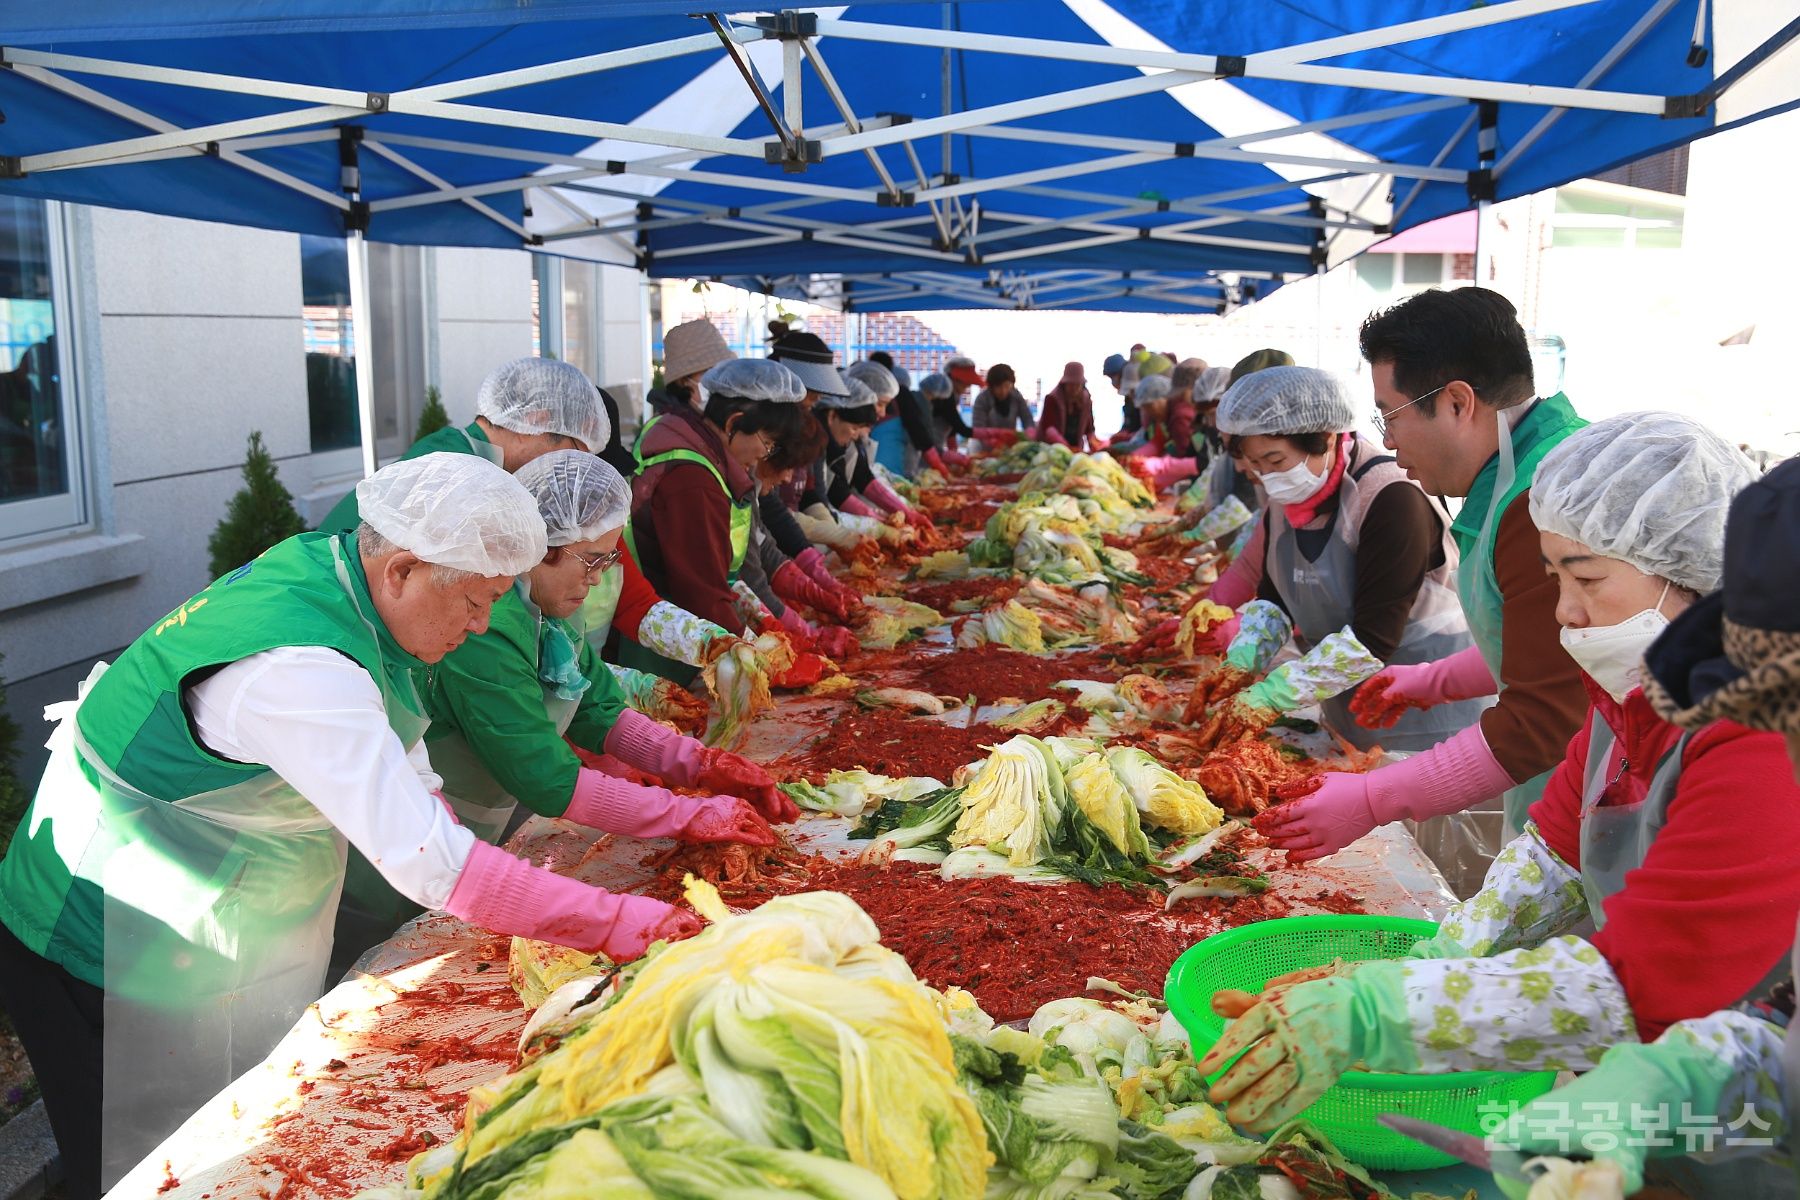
x=1454, y=401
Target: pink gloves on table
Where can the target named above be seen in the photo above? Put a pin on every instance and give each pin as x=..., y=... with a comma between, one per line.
x=1447, y=778
x=508, y=895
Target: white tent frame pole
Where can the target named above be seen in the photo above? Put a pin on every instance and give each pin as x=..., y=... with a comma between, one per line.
x=230, y=154
x=1610, y=59
x=492, y=187
x=356, y=251
x=591, y=64
x=1462, y=131
x=842, y=103
x=176, y=139
x=179, y=77
x=1409, y=31
x=1468, y=89
x=509, y=118
x=1000, y=183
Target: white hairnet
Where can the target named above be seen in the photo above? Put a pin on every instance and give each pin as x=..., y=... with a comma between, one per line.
x=1154, y=387
x=875, y=377
x=935, y=386
x=455, y=510
x=579, y=496
x=543, y=395
x=1286, y=400
x=859, y=396
x=1212, y=384
x=754, y=379
x=1650, y=488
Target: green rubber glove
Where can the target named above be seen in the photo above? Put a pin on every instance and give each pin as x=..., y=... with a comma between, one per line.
x=1593, y=1116
x=1274, y=693
x=1296, y=1043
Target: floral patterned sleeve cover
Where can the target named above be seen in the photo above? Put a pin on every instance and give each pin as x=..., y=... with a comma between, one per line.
x=1751, y=1048
x=1263, y=629
x=1557, y=1006
x=1529, y=895
x=677, y=633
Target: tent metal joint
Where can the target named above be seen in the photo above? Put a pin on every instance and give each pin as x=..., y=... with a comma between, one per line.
x=1481, y=185
x=1681, y=108
x=11, y=167
x=1230, y=66
x=894, y=200
x=376, y=102
x=789, y=25
x=1184, y=149
x=794, y=154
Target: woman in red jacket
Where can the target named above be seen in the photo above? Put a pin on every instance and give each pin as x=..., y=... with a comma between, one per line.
x=1068, y=416
x=1682, y=847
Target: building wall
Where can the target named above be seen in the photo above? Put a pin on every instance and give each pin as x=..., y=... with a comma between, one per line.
x=190, y=336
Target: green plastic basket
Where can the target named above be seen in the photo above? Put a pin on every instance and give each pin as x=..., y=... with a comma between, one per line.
x=1248, y=957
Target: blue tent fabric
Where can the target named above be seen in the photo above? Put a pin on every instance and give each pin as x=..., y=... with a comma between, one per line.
x=719, y=227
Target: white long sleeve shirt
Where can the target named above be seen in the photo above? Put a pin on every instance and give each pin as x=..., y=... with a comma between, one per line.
x=316, y=718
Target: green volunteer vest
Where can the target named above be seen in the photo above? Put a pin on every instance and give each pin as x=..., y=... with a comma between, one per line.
x=134, y=721
x=742, y=512
x=1543, y=429
x=344, y=517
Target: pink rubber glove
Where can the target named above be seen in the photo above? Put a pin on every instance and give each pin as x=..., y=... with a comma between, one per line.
x=1449, y=777
x=508, y=895
x=862, y=508
x=1167, y=470
x=879, y=491
x=797, y=587
x=956, y=458
x=1462, y=676
x=1054, y=436
x=1217, y=640
x=935, y=461
x=802, y=629
x=1239, y=584
x=654, y=748
x=636, y=810
x=813, y=563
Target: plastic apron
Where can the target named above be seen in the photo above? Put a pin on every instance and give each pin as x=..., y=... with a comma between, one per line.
x=1615, y=839
x=217, y=939
x=1483, y=607
x=1320, y=596
x=483, y=449
x=743, y=515
x=475, y=796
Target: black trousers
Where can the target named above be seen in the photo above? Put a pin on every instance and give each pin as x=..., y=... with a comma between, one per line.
x=59, y=1018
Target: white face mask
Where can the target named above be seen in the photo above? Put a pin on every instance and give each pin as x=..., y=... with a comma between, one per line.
x=1296, y=485
x=1613, y=655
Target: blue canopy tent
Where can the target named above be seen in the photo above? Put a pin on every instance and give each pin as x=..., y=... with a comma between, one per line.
x=979, y=142
x=1147, y=291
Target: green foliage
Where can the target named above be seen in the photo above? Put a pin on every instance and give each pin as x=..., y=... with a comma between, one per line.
x=432, y=417
x=259, y=515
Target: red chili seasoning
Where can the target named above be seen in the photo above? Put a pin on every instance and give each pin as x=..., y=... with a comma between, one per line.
x=989, y=589
x=887, y=741
x=992, y=673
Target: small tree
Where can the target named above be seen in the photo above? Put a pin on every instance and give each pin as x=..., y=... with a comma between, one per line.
x=432, y=417
x=259, y=516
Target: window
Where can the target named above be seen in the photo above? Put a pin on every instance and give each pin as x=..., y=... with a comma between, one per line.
x=41, y=485
x=1617, y=219
x=397, y=334
x=1377, y=270
x=1421, y=270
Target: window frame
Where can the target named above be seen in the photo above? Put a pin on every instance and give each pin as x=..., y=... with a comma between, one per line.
x=72, y=509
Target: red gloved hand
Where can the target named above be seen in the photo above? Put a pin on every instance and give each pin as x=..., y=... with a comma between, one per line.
x=956, y=459
x=1217, y=640
x=993, y=437
x=726, y=819
x=1320, y=819
x=795, y=586
x=935, y=461
x=916, y=519
x=1159, y=641
x=835, y=642
x=734, y=775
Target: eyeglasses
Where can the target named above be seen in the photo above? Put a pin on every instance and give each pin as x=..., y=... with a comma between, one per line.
x=599, y=563
x=1381, y=419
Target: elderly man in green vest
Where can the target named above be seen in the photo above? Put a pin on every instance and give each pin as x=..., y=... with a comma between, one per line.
x=1455, y=399
x=168, y=900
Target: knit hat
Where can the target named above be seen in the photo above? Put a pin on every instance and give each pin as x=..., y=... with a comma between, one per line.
x=1736, y=654
x=693, y=348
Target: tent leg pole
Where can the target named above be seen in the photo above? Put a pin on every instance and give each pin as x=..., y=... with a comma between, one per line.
x=356, y=250
x=1483, y=237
